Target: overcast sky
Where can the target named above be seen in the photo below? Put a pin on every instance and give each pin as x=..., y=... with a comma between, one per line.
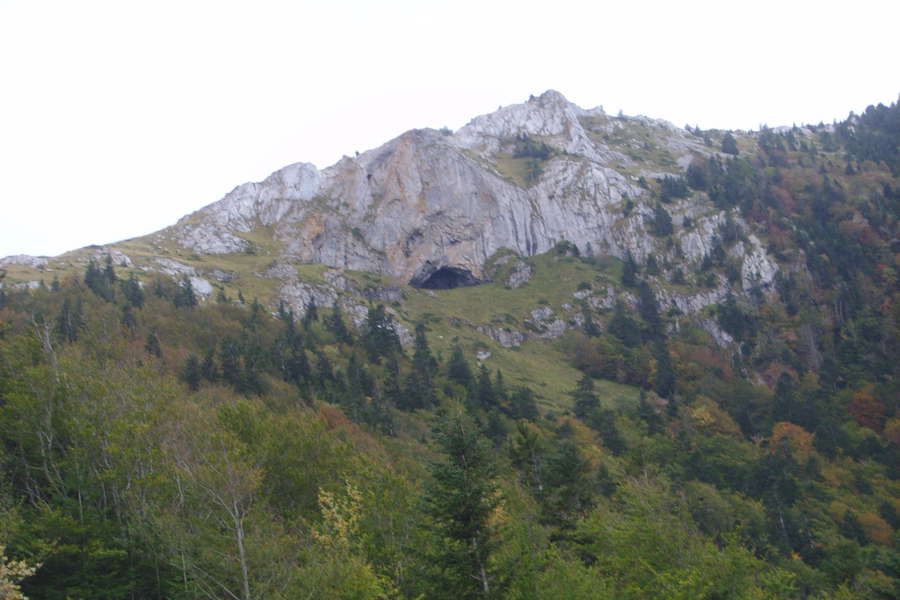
x=117, y=118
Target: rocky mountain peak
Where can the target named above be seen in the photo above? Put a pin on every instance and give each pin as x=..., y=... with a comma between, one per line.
x=550, y=116
x=431, y=208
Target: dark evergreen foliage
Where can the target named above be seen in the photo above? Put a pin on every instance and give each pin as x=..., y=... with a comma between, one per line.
x=729, y=144
x=460, y=499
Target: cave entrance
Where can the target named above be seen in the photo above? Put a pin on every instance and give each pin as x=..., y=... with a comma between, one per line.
x=447, y=278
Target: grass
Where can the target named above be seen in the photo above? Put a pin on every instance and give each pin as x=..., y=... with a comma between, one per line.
x=632, y=138
x=513, y=169
x=452, y=316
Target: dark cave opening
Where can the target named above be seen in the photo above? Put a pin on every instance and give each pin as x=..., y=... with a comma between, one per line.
x=447, y=278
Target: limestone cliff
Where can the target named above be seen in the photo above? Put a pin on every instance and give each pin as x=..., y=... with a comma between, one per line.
x=430, y=208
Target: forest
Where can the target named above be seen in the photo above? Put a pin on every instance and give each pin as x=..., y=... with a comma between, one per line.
x=153, y=445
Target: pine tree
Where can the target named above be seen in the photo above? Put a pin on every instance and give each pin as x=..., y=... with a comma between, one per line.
x=629, y=271
x=585, y=400
x=664, y=385
x=109, y=273
x=128, y=320
x=486, y=397
x=230, y=363
x=568, y=486
x=649, y=310
x=729, y=144
x=131, y=289
x=208, y=369
x=527, y=454
x=522, y=404
x=624, y=327
x=460, y=499
x=184, y=295
x=191, y=372
x=590, y=327
x=662, y=222
x=458, y=369
x=311, y=315
x=152, y=345
x=335, y=323
x=604, y=422
x=379, y=337
x=500, y=388
x=99, y=282
x=70, y=320
x=423, y=360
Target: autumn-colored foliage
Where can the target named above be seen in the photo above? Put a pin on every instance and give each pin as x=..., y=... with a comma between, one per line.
x=794, y=438
x=876, y=528
x=868, y=410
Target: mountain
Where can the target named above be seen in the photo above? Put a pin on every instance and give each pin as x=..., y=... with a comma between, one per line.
x=554, y=354
x=432, y=208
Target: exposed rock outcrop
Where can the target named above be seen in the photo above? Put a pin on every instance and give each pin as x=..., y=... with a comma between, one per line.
x=432, y=209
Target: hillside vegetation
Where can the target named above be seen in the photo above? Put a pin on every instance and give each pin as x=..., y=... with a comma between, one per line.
x=159, y=444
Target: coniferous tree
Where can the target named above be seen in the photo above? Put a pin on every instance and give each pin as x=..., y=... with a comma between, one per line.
x=590, y=327
x=673, y=187
x=191, y=373
x=184, y=295
x=783, y=400
x=664, y=384
x=152, y=345
x=98, y=281
x=230, y=363
x=159, y=289
x=109, y=273
x=298, y=368
x=208, y=369
x=485, y=395
x=391, y=391
x=311, y=315
x=662, y=222
x=423, y=360
x=623, y=327
x=257, y=313
x=585, y=400
x=128, y=320
x=460, y=499
x=131, y=289
x=324, y=370
x=527, y=453
x=522, y=404
x=285, y=315
x=458, y=369
x=500, y=394
x=70, y=320
x=729, y=144
x=335, y=323
x=379, y=336
x=697, y=175
x=649, y=310
x=568, y=484
x=604, y=422
x=629, y=271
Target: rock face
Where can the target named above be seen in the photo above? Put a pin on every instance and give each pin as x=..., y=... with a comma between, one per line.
x=24, y=260
x=430, y=208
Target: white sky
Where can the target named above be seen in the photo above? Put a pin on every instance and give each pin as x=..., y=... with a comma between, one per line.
x=117, y=118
